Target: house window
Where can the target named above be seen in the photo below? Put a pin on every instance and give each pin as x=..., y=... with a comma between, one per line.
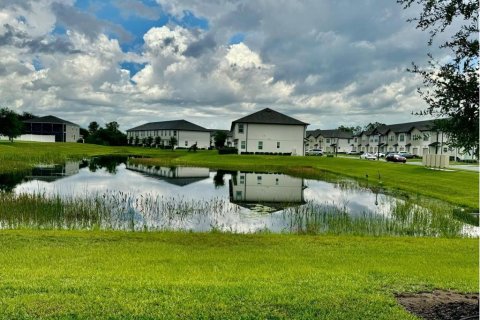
x=278, y=144
x=240, y=128
x=402, y=137
x=242, y=145
x=391, y=137
x=186, y=143
x=426, y=136
x=238, y=195
x=242, y=179
x=276, y=181
x=174, y=132
x=445, y=149
x=327, y=140
x=260, y=145
x=356, y=140
x=259, y=179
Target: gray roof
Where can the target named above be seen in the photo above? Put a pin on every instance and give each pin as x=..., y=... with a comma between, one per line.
x=50, y=119
x=269, y=116
x=405, y=127
x=334, y=133
x=169, y=125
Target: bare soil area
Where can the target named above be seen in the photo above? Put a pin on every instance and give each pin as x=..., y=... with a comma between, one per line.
x=442, y=305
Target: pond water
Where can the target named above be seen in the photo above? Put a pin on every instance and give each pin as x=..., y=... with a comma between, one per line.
x=110, y=193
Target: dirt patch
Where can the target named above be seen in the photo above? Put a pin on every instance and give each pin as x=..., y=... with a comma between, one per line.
x=442, y=305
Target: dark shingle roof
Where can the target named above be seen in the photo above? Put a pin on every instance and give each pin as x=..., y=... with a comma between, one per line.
x=334, y=133
x=50, y=119
x=169, y=125
x=269, y=116
x=406, y=127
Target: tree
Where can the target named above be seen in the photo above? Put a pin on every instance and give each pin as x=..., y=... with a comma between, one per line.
x=137, y=140
x=10, y=124
x=130, y=140
x=93, y=127
x=220, y=137
x=451, y=88
x=353, y=130
x=150, y=141
x=157, y=141
x=372, y=126
x=173, y=142
x=112, y=126
x=26, y=116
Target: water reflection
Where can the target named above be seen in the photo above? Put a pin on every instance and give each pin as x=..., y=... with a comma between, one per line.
x=180, y=176
x=265, y=192
x=109, y=193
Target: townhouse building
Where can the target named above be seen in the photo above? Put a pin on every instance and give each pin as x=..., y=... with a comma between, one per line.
x=330, y=141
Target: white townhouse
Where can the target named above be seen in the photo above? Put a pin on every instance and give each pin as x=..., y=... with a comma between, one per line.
x=419, y=138
x=269, y=131
x=179, y=176
x=272, y=191
x=330, y=140
x=185, y=133
x=50, y=129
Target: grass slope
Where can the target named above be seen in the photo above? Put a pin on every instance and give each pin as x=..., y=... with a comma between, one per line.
x=115, y=275
x=458, y=187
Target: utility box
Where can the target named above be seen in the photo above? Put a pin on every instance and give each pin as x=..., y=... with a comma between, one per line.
x=436, y=160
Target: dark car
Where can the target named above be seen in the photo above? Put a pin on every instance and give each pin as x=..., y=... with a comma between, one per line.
x=393, y=157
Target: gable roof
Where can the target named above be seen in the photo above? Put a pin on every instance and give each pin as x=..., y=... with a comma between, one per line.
x=50, y=119
x=333, y=133
x=269, y=116
x=169, y=125
x=424, y=125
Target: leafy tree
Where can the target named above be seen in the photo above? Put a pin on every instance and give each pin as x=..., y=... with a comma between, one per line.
x=130, y=140
x=372, y=126
x=451, y=88
x=10, y=124
x=26, y=116
x=137, y=140
x=149, y=141
x=112, y=126
x=353, y=130
x=144, y=141
x=157, y=141
x=93, y=127
x=84, y=133
x=172, y=142
x=220, y=137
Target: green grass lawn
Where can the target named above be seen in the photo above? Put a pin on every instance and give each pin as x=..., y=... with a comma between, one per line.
x=457, y=187
x=118, y=275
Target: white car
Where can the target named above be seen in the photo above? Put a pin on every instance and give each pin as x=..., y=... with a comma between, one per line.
x=314, y=152
x=368, y=156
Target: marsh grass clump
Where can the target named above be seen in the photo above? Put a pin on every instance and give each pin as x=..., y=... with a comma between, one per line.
x=404, y=218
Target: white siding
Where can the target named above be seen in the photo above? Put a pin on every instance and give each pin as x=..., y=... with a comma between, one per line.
x=289, y=137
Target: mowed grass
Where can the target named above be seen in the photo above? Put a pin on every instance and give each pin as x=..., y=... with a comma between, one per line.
x=119, y=275
x=458, y=187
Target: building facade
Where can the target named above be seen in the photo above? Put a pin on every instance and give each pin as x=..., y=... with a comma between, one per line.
x=330, y=141
x=269, y=131
x=62, y=130
x=185, y=133
x=419, y=138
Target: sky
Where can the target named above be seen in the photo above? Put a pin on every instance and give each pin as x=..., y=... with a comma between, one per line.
x=324, y=62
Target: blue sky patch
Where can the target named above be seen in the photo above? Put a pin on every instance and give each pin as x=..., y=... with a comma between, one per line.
x=237, y=38
x=133, y=67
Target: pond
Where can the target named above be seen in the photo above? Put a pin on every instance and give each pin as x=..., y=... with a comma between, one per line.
x=109, y=193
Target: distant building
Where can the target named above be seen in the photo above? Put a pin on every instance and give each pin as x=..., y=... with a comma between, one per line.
x=62, y=130
x=228, y=141
x=186, y=133
x=330, y=140
x=180, y=176
x=268, y=131
x=419, y=138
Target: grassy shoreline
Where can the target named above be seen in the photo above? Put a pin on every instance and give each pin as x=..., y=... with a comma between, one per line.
x=456, y=187
x=121, y=275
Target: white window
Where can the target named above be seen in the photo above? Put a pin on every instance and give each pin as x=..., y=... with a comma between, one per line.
x=238, y=195
x=240, y=128
x=278, y=144
x=260, y=145
x=401, y=137
x=242, y=179
x=186, y=143
x=259, y=179
x=242, y=145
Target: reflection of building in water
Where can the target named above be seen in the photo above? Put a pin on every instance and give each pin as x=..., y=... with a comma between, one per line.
x=277, y=191
x=180, y=176
x=54, y=172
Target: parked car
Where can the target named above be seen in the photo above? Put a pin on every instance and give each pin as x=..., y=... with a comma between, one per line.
x=354, y=152
x=368, y=156
x=380, y=154
x=407, y=155
x=314, y=152
x=393, y=157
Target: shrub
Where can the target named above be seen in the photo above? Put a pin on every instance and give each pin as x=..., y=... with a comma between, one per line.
x=228, y=150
